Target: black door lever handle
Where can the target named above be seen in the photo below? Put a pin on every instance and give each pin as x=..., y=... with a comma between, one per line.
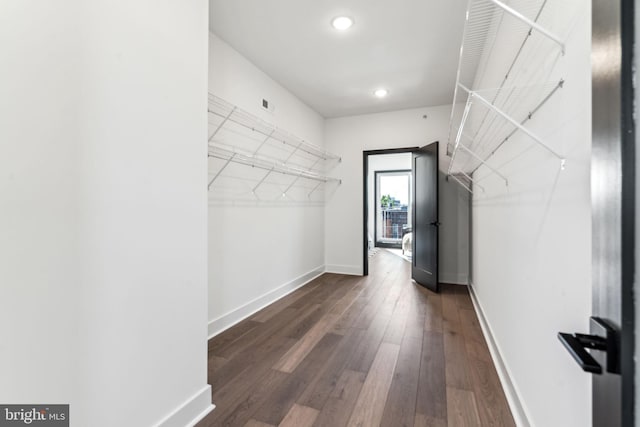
x=607, y=340
x=434, y=223
x=576, y=348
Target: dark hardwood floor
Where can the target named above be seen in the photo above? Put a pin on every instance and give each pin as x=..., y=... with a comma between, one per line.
x=358, y=351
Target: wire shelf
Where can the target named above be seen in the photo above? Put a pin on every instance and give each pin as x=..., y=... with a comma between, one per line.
x=252, y=160
x=503, y=78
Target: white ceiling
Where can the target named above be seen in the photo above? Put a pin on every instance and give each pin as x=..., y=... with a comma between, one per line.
x=407, y=46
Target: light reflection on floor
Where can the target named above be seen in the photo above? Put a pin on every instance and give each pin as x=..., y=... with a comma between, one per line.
x=398, y=252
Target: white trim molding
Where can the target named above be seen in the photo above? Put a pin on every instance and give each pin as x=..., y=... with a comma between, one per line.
x=191, y=411
x=513, y=397
x=353, y=270
x=231, y=318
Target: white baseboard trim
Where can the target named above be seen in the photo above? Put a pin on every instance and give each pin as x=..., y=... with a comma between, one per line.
x=190, y=412
x=513, y=397
x=231, y=318
x=455, y=279
x=353, y=270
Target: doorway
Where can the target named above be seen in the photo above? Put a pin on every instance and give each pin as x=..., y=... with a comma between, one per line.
x=393, y=160
x=392, y=205
x=401, y=207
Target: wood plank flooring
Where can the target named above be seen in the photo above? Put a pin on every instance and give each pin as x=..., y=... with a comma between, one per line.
x=358, y=351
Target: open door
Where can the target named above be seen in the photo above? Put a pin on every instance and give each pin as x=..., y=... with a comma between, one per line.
x=424, y=265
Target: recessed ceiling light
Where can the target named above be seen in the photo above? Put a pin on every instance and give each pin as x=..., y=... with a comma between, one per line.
x=381, y=93
x=342, y=23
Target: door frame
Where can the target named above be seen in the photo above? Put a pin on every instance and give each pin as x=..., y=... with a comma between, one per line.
x=365, y=192
x=614, y=263
x=628, y=213
x=375, y=216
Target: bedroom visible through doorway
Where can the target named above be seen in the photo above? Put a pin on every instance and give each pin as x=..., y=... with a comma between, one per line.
x=392, y=208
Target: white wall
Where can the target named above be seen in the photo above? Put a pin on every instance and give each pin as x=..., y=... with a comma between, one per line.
x=39, y=183
x=236, y=79
x=258, y=253
x=454, y=244
x=103, y=209
x=532, y=240
x=349, y=137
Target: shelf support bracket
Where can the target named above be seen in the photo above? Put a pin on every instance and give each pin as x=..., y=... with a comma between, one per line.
x=461, y=183
x=514, y=123
x=475, y=182
x=291, y=185
x=222, y=123
x=292, y=153
x=530, y=23
x=465, y=114
x=220, y=171
x=494, y=170
x=314, y=189
x=262, y=180
x=263, y=142
x=311, y=168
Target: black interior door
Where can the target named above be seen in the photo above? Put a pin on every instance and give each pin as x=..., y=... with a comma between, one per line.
x=424, y=266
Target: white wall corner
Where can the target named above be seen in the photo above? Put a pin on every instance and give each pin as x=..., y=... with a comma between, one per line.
x=191, y=411
x=353, y=270
x=513, y=397
x=229, y=319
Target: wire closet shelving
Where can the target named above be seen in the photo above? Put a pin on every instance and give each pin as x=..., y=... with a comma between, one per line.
x=503, y=79
x=253, y=160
